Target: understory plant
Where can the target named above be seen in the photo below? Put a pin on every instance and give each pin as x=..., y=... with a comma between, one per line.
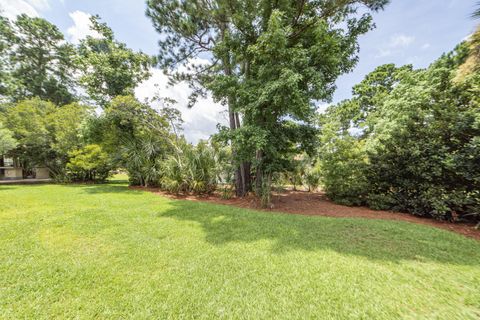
x=89, y=163
x=190, y=169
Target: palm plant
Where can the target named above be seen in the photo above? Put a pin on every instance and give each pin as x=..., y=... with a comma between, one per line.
x=201, y=166
x=144, y=157
x=190, y=169
x=174, y=179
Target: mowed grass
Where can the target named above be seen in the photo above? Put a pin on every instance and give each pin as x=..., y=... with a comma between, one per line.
x=107, y=252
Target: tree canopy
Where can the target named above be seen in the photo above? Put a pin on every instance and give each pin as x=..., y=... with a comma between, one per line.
x=109, y=68
x=36, y=61
x=7, y=142
x=417, y=146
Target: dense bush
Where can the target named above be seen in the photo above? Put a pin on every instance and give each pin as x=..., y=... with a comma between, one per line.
x=312, y=178
x=342, y=166
x=417, y=143
x=424, y=154
x=142, y=159
x=135, y=136
x=89, y=163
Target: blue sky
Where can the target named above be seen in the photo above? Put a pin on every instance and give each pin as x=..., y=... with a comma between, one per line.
x=408, y=31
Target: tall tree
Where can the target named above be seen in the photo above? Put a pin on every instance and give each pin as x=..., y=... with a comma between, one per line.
x=5, y=76
x=109, y=67
x=268, y=61
x=36, y=61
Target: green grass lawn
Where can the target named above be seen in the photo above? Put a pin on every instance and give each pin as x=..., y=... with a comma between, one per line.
x=106, y=252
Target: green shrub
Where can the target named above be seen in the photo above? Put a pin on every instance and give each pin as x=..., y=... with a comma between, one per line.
x=312, y=178
x=89, y=163
x=142, y=159
x=342, y=167
x=418, y=149
x=380, y=201
x=227, y=193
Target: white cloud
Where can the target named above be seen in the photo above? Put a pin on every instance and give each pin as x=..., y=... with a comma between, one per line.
x=383, y=53
x=40, y=4
x=426, y=46
x=396, y=43
x=81, y=27
x=12, y=8
x=200, y=121
x=401, y=41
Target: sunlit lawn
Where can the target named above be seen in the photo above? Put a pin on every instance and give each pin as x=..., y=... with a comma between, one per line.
x=106, y=252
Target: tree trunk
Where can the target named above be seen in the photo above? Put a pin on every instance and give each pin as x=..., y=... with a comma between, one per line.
x=242, y=170
x=247, y=176
x=259, y=172
x=239, y=174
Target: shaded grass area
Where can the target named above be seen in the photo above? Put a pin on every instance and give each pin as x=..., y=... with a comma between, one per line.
x=104, y=251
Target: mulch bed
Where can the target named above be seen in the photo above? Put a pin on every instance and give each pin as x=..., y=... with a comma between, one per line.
x=317, y=204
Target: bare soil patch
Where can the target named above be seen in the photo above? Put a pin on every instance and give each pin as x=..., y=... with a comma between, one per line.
x=317, y=204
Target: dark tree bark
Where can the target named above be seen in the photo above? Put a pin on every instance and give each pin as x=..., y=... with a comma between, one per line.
x=242, y=169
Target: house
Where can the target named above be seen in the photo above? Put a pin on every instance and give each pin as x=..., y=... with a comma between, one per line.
x=10, y=169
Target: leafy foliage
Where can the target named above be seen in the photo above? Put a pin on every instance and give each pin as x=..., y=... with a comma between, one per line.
x=417, y=150
x=89, y=163
x=7, y=142
x=36, y=61
x=270, y=62
x=45, y=132
x=135, y=136
x=191, y=169
x=342, y=163
x=143, y=158
x=109, y=68
x=312, y=178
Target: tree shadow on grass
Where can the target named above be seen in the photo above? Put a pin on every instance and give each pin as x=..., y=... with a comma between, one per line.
x=393, y=241
x=6, y=187
x=117, y=186
x=110, y=187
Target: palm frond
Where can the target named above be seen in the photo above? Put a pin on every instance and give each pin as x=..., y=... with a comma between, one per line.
x=476, y=13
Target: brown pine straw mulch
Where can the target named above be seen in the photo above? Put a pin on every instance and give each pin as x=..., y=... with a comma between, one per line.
x=317, y=204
